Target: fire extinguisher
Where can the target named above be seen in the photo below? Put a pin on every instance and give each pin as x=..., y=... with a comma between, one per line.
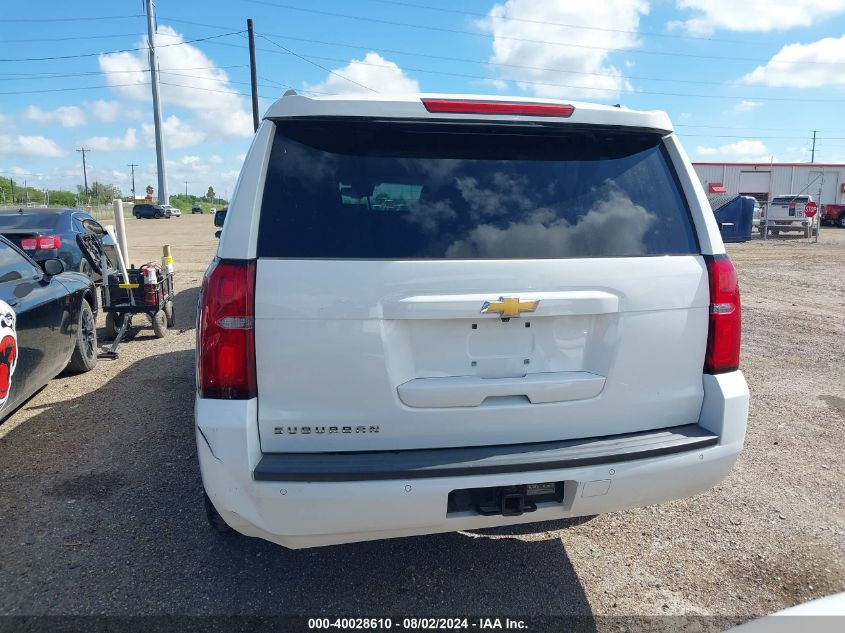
x=150, y=284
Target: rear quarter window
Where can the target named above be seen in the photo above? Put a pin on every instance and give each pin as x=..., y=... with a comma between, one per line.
x=414, y=190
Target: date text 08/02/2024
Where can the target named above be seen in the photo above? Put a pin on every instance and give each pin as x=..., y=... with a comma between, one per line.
x=414, y=624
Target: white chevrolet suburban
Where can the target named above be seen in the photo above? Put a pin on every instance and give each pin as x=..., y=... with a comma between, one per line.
x=432, y=313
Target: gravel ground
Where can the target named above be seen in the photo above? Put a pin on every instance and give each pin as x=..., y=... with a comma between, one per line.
x=100, y=490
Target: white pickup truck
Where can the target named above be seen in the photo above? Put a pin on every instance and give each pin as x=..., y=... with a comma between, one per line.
x=791, y=213
x=432, y=313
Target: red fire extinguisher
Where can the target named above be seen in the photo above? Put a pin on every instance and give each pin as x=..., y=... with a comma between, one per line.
x=150, y=284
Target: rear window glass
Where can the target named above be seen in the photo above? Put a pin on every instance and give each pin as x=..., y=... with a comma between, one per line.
x=790, y=200
x=415, y=190
x=29, y=221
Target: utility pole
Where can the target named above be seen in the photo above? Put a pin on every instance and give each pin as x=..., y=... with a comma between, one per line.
x=163, y=197
x=186, y=190
x=84, y=168
x=813, y=151
x=132, y=166
x=252, y=74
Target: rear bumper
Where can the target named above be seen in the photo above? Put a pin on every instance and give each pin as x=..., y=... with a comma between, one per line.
x=297, y=511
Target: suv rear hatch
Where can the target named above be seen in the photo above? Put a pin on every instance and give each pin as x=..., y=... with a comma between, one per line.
x=426, y=284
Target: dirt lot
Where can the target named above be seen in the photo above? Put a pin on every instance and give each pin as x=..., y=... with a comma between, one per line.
x=100, y=492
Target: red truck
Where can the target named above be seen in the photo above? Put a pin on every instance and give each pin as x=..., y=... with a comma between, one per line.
x=833, y=214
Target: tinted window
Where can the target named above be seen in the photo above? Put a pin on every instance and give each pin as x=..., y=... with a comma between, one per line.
x=29, y=221
x=14, y=267
x=790, y=199
x=338, y=189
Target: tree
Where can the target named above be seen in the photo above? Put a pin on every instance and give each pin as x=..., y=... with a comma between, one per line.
x=210, y=194
x=100, y=193
x=149, y=190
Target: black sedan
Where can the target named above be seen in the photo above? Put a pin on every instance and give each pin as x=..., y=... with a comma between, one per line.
x=47, y=324
x=45, y=233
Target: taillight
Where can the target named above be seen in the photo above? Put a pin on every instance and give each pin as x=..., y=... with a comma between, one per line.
x=723, y=337
x=471, y=106
x=41, y=243
x=226, y=332
x=48, y=242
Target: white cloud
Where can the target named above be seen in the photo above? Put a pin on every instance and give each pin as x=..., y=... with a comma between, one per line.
x=29, y=146
x=747, y=106
x=742, y=151
x=515, y=21
x=754, y=15
x=177, y=133
x=803, y=66
x=374, y=71
x=215, y=159
x=67, y=116
x=104, y=110
x=119, y=176
x=199, y=173
x=193, y=82
x=113, y=143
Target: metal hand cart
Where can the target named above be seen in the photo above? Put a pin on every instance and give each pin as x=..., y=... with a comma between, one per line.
x=121, y=301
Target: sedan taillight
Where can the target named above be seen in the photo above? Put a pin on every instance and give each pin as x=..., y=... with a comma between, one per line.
x=41, y=243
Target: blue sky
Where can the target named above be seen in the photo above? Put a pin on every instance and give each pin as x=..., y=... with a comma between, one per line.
x=742, y=81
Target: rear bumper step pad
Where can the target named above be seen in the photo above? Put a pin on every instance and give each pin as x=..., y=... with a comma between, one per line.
x=481, y=460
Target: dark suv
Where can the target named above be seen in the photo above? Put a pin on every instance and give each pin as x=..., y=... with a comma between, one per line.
x=150, y=211
x=196, y=209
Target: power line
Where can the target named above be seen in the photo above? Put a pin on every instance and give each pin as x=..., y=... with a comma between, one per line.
x=455, y=59
x=328, y=70
x=759, y=138
x=573, y=86
x=67, y=39
x=639, y=51
x=75, y=19
x=30, y=76
x=244, y=83
x=224, y=92
x=563, y=25
x=73, y=88
x=124, y=50
x=491, y=63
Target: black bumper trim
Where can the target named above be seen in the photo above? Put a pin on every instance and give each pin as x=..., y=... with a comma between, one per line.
x=481, y=460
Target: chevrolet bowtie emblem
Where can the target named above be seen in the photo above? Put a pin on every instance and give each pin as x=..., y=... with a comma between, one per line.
x=508, y=307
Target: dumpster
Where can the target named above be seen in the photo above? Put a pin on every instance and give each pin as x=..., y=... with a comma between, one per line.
x=734, y=215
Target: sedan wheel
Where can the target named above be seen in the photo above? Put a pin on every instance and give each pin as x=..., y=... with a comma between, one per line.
x=84, y=356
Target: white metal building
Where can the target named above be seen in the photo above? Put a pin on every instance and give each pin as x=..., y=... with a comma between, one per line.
x=825, y=182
